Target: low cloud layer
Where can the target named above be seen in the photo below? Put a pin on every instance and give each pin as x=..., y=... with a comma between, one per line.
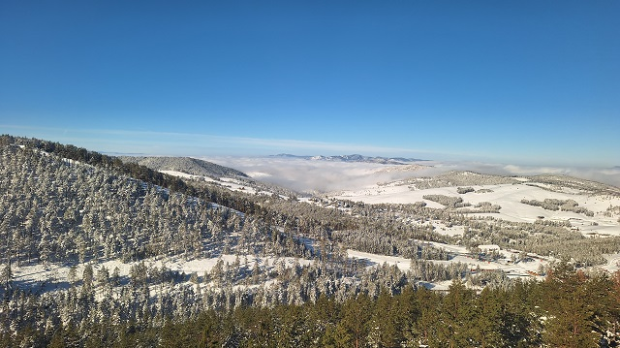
x=308, y=176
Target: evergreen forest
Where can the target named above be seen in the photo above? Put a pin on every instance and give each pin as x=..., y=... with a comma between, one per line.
x=105, y=234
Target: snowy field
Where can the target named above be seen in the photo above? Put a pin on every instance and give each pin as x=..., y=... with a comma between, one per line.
x=229, y=183
x=51, y=277
x=519, y=269
x=509, y=197
x=56, y=277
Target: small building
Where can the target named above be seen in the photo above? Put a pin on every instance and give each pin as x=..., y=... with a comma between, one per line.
x=485, y=248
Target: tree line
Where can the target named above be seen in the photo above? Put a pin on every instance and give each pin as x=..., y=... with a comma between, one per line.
x=568, y=309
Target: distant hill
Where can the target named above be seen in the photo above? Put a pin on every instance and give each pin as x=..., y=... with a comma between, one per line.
x=576, y=183
x=353, y=158
x=459, y=178
x=187, y=165
x=556, y=183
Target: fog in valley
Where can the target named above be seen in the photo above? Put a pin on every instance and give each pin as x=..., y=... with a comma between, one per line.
x=324, y=176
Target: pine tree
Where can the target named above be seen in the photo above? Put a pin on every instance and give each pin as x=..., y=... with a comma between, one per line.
x=6, y=277
x=355, y=316
x=573, y=314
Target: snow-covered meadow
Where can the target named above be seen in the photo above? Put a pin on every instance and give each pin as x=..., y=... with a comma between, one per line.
x=509, y=197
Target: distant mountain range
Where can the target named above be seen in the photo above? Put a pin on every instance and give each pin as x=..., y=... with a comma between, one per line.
x=353, y=158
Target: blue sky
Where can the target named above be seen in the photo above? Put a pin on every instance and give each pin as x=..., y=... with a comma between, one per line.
x=530, y=82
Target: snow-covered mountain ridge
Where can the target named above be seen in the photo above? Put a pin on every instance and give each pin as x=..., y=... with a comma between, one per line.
x=188, y=165
x=353, y=158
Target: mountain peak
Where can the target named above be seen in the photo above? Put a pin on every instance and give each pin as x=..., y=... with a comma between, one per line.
x=354, y=158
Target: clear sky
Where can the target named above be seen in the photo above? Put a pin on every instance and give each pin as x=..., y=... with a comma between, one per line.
x=514, y=81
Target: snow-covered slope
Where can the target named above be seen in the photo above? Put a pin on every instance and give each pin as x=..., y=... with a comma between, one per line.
x=187, y=165
x=509, y=196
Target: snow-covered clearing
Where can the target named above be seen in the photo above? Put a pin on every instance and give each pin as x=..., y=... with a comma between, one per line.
x=185, y=175
x=376, y=260
x=509, y=197
x=530, y=267
x=516, y=269
x=229, y=183
x=53, y=276
x=441, y=228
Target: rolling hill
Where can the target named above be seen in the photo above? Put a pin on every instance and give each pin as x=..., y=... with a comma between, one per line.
x=186, y=165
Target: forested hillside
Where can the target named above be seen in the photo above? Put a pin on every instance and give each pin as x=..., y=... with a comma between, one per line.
x=90, y=247
x=567, y=310
x=187, y=165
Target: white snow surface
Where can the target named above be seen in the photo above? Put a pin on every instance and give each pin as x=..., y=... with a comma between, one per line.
x=229, y=183
x=528, y=268
x=509, y=197
x=59, y=274
x=53, y=277
x=376, y=260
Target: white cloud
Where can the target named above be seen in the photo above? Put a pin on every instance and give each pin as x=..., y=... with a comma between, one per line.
x=301, y=175
x=177, y=143
x=304, y=175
